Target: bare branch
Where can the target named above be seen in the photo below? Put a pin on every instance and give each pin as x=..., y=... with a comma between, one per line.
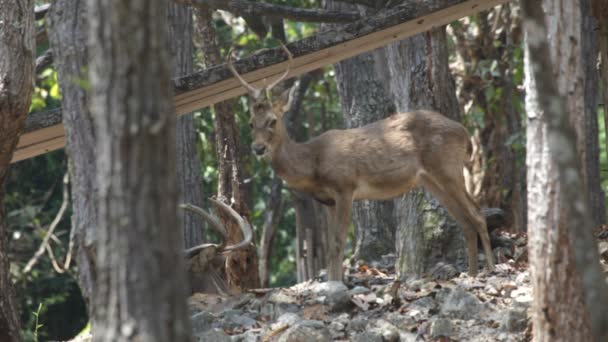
x=44, y=61
x=64, y=206
x=249, y=8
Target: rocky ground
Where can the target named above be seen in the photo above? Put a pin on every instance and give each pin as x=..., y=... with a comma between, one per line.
x=373, y=305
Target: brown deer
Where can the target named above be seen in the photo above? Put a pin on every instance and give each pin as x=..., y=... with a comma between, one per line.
x=378, y=161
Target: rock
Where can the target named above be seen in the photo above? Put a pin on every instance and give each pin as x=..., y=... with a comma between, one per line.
x=367, y=336
x=358, y=323
x=306, y=331
x=336, y=294
x=461, y=304
x=443, y=271
x=281, y=297
x=359, y=290
x=283, y=308
x=515, y=320
x=289, y=318
x=240, y=321
x=386, y=330
x=415, y=285
x=248, y=336
x=441, y=327
x=495, y=217
x=215, y=335
x=523, y=278
x=202, y=322
x=424, y=304
x=337, y=330
x=408, y=337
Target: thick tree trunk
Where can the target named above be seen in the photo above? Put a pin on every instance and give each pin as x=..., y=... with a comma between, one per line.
x=189, y=179
x=241, y=266
x=139, y=254
x=16, y=86
x=563, y=253
x=68, y=28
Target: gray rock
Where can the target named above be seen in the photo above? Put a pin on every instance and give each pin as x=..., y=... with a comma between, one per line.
x=515, y=320
x=215, y=335
x=424, y=304
x=441, y=327
x=358, y=324
x=284, y=308
x=336, y=330
x=336, y=294
x=367, y=336
x=443, y=271
x=289, y=318
x=306, y=331
x=408, y=337
x=281, y=297
x=386, y=330
x=359, y=290
x=461, y=304
x=248, y=336
x=240, y=321
x=202, y=322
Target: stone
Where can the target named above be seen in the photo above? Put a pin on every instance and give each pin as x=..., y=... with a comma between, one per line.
x=441, y=327
x=215, y=335
x=281, y=297
x=289, y=318
x=336, y=294
x=367, y=336
x=283, y=308
x=523, y=278
x=443, y=271
x=386, y=330
x=306, y=331
x=247, y=336
x=359, y=290
x=202, y=322
x=358, y=324
x=461, y=304
x=515, y=320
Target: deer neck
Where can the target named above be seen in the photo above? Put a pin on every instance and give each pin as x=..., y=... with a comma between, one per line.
x=293, y=162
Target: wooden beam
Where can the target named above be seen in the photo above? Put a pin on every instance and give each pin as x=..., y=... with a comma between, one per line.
x=216, y=84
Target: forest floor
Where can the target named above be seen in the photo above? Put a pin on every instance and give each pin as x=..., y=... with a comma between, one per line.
x=373, y=305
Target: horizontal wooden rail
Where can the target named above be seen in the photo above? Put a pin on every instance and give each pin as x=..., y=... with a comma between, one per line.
x=44, y=131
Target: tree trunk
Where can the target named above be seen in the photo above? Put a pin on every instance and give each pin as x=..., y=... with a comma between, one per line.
x=600, y=11
x=16, y=87
x=272, y=216
x=241, y=266
x=68, y=28
x=563, y=253
x=189, y=179
x=139, y=255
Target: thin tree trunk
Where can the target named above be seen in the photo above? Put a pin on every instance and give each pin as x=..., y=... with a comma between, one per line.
x=600, y=11
x=16, y=86
x=272, y=216
x=563, y=253
x=140, y=290
x=241, y=266
x=68, y=28
x=189, y=179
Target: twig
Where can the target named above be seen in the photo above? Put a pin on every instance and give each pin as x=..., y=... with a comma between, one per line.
x=64, y=206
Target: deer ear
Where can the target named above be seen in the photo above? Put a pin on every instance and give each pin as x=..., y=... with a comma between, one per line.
x=282, y=104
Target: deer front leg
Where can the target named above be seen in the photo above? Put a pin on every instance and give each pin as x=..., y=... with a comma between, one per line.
x=339, y=220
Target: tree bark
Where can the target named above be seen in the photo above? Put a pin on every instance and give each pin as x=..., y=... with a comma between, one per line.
x=272, y=216
x=189, y=179
x=68, y=29
x=564, y=265
x=16, y=87
x=139, y=254
x=241, y=266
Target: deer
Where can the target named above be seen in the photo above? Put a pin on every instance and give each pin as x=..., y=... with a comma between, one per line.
x=378, y=161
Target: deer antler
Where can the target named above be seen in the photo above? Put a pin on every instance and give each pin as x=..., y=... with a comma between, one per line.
x=256, y=92
x=218, y=227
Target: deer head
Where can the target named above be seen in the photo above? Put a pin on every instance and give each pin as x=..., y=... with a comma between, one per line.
x=267, y=129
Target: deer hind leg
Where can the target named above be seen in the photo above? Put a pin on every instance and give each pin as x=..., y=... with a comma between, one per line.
x=452, y=194
x=339, y=220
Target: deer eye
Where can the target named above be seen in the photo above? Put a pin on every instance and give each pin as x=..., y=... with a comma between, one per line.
x=272, y=123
